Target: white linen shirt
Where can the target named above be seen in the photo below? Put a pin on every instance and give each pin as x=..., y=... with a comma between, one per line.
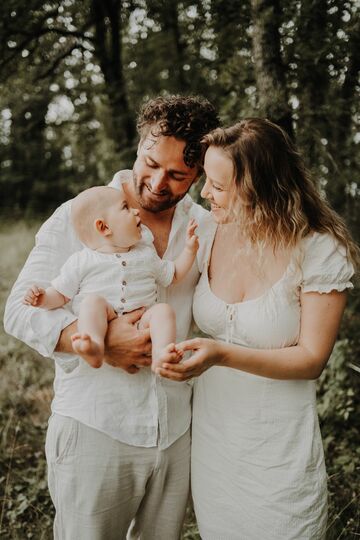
x=140, y=409
x=127, y=281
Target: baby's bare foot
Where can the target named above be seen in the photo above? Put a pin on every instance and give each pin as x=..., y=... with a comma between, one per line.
x=91, y=351
x=170, y=354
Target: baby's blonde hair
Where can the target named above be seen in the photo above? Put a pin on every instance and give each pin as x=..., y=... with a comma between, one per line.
x=87, y=207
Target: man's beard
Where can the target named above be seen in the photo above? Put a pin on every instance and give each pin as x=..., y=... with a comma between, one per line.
x=167, y=201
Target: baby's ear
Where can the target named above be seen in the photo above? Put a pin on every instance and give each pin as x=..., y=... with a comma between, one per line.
x=102, y=227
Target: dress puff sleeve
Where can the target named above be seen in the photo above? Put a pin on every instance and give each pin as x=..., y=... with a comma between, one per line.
x=326, y=266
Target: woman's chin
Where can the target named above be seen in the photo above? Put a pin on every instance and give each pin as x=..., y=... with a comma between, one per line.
x=219, y=215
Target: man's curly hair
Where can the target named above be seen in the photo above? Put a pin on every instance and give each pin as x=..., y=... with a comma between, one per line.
x=187, y=118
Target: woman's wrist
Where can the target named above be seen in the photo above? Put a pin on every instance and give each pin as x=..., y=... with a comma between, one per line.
x=222, y=354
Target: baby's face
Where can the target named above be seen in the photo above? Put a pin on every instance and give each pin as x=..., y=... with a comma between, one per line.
x=123, y=221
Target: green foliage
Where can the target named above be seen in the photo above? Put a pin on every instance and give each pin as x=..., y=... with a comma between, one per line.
x=339, y=411
x=25, y=394
x=72, y=77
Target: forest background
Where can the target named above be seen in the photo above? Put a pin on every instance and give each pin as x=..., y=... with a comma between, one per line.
x=73, y=74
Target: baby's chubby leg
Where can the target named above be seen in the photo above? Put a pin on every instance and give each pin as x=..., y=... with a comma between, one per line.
x=160, y=319
x=94, y=315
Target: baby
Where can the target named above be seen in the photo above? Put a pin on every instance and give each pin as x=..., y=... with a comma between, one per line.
x=115, y=273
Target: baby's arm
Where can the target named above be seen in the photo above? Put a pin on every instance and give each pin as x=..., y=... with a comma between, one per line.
x=48, y=298
x=185, y=260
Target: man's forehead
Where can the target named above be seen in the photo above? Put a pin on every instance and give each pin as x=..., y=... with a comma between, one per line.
x=167, y=151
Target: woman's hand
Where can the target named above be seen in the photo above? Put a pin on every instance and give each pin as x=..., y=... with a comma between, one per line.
x=207, y=353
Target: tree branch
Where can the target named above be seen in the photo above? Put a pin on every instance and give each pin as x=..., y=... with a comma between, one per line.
x=58, y=61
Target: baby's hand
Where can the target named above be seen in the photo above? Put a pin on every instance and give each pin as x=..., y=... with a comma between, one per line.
x=34, y=296
x=192, y=240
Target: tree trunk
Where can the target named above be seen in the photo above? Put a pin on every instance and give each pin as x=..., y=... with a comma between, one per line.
x=313, y=78
x=173, y=46
x=348, y=90
x=268, y=65
x=108, y=49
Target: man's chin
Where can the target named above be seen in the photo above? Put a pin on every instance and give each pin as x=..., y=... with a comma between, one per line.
x=151, y=205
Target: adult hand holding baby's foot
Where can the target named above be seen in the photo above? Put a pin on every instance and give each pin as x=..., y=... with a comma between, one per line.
x=88, y=349
x=170, y=354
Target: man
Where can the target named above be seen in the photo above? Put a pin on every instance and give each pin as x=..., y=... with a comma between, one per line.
x=118, y=439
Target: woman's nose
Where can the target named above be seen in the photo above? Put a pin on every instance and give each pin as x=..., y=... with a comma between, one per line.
x=205, y=193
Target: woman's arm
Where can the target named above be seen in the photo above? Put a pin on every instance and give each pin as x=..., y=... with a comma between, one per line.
x=320, y=320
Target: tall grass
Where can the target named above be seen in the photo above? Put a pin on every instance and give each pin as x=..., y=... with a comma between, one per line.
x=25, y=395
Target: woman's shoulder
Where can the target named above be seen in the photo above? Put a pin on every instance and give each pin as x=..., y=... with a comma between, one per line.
x=325, y=263
x=323, y=241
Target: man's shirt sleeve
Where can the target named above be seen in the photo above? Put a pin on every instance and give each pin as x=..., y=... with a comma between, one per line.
x=39, y=328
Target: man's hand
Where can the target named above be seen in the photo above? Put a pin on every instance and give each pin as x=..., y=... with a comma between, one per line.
x=127, y=347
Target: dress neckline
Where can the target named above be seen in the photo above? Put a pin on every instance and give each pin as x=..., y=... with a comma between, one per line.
x=250, y=300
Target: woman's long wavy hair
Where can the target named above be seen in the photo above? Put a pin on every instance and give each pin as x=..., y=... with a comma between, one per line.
x=280, y=204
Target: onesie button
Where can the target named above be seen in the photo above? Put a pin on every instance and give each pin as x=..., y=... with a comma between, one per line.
x=118, y=255
x=123, y=300
x=123, y=263
x=124, y=283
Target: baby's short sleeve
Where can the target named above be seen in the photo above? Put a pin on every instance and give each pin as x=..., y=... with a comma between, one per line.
x=326, y=266
x=164, y=270
x=68, y=281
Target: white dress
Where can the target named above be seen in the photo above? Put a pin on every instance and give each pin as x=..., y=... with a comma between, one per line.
x=258, y=469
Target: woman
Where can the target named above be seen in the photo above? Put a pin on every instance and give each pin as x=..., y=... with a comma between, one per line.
x=272, y=295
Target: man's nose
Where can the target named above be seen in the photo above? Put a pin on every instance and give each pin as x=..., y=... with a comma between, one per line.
x=158, y=181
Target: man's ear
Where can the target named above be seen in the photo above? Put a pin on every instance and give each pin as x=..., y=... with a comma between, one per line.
x=102, y=227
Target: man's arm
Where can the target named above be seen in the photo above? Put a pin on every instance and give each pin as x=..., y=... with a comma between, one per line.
x=49, y=332
x=40, y=329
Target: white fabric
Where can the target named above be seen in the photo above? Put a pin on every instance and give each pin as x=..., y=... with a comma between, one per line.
x=98, y=485
x=257, y=458
x=141, y=409
x=126, y=280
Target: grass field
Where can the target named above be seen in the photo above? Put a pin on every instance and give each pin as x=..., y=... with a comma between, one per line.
x=26, y=392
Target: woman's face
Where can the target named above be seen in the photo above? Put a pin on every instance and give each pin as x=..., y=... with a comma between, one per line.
x=219, y=188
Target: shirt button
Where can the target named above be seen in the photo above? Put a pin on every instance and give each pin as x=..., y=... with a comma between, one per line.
x=118, y=255
x=123, y=263
x=123, y=300
x=124, y=283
